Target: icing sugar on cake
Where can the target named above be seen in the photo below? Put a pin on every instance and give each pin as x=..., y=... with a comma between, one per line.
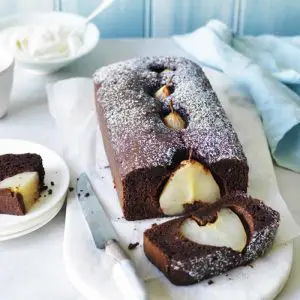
x=209, y=132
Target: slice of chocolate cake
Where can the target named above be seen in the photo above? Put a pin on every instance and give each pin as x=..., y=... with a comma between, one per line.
x=21, y=181
x=230, y=233
x=170, y=145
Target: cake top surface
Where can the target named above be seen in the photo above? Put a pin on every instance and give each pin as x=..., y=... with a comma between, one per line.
x=126, y=92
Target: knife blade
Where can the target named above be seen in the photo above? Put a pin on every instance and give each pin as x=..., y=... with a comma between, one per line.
x=105, y=237
x=99, y=223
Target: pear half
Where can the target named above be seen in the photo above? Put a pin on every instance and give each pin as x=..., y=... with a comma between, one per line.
x=191, y=182
x=26, y=184
x=226, y=231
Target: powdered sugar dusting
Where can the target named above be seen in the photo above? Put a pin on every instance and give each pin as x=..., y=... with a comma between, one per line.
x=134, y=117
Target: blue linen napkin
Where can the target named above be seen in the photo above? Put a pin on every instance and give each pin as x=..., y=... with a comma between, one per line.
x=262, y=66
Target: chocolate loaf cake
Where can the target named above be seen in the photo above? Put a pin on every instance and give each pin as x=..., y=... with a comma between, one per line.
x=160, y=115
x=21, y=181
x=211, y=242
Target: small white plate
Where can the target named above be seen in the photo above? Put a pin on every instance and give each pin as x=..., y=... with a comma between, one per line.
x=36, y=226
x=56, y=171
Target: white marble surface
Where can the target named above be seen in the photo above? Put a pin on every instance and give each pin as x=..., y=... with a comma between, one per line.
x=31, y=266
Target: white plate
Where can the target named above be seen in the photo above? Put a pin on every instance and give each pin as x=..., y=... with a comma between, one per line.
x=56, y=170
x=34, y=223
x=36, y=226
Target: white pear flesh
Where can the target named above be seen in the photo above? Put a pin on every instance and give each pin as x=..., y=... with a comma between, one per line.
x=226, y=231
x=162, y=93
x=191, y=182
x=26, y=184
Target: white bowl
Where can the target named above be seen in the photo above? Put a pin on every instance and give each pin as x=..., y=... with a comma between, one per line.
x=91, y=37
x=6, y=79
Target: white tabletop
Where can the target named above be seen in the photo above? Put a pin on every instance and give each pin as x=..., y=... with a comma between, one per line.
x=32, y=266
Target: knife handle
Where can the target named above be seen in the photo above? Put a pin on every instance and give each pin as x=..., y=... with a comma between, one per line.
x=124, y=273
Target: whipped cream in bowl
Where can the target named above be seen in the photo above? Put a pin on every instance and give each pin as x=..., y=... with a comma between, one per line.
x=42, y=42
x=46, y=42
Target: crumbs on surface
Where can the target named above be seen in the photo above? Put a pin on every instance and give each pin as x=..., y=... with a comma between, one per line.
x=71, y=189
x=52, y=183
x=132, y=246
x=86, y=195
x=50, y=192
x=210, y=282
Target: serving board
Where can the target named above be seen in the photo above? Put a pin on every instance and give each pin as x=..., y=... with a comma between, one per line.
x=89, y=269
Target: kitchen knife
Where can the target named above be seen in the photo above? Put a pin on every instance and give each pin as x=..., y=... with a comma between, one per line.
x=105, y=237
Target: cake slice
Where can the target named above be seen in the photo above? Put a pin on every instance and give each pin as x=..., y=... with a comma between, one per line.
x=21, y=181
x=232, y=232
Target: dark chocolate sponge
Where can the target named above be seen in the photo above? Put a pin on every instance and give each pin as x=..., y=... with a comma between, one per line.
x=185, y=262
x=11, y=165
x=11, y=203
x=142, y=150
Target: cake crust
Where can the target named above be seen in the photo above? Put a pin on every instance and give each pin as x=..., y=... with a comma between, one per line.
x=142, y=151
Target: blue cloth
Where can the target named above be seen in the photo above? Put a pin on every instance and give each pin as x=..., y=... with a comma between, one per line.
x=268, y=67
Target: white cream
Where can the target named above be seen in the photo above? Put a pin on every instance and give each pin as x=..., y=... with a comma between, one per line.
x=41, y=42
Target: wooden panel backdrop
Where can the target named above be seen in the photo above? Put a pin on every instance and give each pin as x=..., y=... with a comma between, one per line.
x=157, y=18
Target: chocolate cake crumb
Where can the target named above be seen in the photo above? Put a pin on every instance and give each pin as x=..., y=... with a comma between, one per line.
x=78, y=195
x=87, y=195
x=50, y=192
x=106, y=167
x=71, y=189
x=251, y=266
x=132, y=246
x=52, y=183
x=210, y=282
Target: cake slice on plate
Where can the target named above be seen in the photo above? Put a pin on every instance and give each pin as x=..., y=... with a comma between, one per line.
x=232, y=232
x=21, y=182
